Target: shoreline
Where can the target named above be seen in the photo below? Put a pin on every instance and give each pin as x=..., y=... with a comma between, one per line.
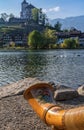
x=27, y=49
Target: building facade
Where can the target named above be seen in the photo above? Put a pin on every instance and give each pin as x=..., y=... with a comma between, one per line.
x=26, y=10
x=72, y=34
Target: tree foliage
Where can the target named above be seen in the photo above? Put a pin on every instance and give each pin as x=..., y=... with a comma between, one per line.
x=35, y=14
x=42, y=17
x=38, y=40
x=70, y=43
x=11, y=16
x=50, y=36
x=6, y=16
x=57, y=26
x=38, y=16
x=35, y=40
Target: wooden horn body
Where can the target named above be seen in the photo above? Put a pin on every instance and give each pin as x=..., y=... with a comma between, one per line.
x=40, y=97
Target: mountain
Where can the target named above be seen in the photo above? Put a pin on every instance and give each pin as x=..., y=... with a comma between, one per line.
x=76, y=22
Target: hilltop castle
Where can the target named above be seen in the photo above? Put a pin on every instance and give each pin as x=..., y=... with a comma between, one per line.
x=26, y=10
x=25, y=15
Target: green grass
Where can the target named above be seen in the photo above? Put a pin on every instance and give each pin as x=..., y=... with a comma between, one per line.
x=9, y=28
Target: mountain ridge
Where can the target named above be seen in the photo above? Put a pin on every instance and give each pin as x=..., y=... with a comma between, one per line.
x=68, y=22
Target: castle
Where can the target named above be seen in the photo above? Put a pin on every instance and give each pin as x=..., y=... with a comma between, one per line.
x=25, y=15
x=26, y=10
x=19, y=36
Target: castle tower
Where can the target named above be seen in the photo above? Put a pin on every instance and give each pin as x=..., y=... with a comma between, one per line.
x=24, y=5
x=26, y=10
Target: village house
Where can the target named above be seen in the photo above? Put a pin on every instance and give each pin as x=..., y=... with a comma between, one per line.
x=74, y=33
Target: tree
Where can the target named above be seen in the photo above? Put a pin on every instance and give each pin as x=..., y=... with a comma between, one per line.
x=38, y=16
x=50, y=36
x=11, y=15
x=70, y=43
x=57, y=26
x=35, y=14
x=4, y=16
x=77, y=41
x=65, y=30
x=49, y=26
x=12, y=44
x=35, y=40
x=42, y=17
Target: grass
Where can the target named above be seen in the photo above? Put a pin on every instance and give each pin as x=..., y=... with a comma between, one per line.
x=9, y=28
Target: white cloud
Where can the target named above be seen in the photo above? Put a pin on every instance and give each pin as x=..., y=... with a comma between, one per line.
x=45, y=10
x=54, y=9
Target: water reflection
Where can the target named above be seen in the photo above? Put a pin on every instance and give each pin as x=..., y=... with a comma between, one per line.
x=35, y=64
x=62, y=66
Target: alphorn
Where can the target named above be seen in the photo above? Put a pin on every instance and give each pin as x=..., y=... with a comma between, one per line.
x=40, y=97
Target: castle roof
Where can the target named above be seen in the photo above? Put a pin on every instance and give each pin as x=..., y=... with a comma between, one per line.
x=30, y=6
x=24, y=2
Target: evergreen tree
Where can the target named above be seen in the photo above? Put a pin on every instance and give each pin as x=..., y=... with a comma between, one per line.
x=35, y=15
x=57, y=26
x=4, y=16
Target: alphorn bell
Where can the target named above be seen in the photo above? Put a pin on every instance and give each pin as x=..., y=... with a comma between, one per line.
x=40, y=97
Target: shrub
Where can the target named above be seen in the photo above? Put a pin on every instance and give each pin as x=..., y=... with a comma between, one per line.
x=70, y=43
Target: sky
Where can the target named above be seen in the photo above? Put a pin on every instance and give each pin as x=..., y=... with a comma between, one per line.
x=53, y=8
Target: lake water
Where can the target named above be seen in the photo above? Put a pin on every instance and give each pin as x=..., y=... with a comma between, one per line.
x=61, y=66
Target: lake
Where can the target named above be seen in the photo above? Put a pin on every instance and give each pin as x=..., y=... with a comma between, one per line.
x=60, y=66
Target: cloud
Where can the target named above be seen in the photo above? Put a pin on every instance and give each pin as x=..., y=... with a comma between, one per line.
x=54, y=9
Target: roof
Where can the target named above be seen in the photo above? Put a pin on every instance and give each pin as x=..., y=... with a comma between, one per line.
x=24, y=2
x=30, y=6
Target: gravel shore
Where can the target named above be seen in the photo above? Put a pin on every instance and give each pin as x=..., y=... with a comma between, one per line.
x=16, y=113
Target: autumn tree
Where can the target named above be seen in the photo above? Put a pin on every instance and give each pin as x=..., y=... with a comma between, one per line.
x=70, y=43
x=50, y=36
